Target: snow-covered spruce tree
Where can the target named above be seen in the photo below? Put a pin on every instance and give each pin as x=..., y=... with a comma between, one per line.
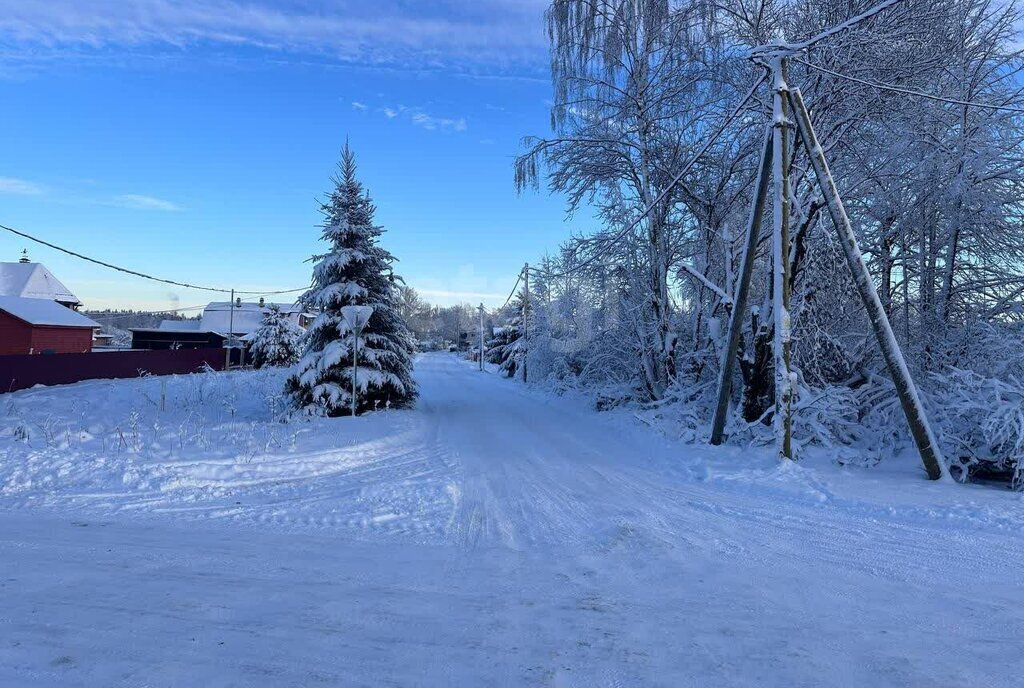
x=495, y=346
x=512, y=353
x=355, y=271
x=276, y=342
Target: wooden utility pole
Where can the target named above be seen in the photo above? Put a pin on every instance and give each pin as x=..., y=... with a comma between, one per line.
x=774, y=58
x=913, y=409
x=526, y=318
x=784, y=377
x=481, y=307
x=231, y=334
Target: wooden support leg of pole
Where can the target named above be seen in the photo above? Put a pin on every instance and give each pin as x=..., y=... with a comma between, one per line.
x=526, y=319
x=739, y=305
x=784, y=382
x=927, y=446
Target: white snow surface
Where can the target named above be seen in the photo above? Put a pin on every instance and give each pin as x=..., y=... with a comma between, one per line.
x=492, y=536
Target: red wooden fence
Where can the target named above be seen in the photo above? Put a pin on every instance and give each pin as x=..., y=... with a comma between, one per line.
x=24, y=371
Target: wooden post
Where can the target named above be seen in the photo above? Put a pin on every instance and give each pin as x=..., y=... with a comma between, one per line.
x=742, y=292
x=231, y=326
x=784, y=382
x=927, y=446
x=526, y=318
x=481, y=337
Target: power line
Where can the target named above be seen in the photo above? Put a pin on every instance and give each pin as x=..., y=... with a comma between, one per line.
x=114, y=315
x=844, y=26
x=275, y=293
x=907, y=91
x=798, y=47
x=142, y=274
x=608, y=243
x=513, y=292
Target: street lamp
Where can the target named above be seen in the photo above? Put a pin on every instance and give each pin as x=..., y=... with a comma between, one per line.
x=356, y=318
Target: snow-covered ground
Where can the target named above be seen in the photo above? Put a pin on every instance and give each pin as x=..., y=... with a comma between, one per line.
x=491, y=536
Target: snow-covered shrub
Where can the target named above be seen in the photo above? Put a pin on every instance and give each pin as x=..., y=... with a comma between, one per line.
x=684, y=412
x=828, y=417
x=980, y=422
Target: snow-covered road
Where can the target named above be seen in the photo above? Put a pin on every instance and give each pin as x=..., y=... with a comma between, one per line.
x=499, y=537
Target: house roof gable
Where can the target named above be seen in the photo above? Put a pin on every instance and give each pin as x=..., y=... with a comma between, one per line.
x=34, y=281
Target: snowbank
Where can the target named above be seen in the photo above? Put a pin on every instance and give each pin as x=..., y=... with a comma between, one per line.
x=211, y=445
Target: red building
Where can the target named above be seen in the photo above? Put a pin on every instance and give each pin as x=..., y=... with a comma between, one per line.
x=41, y=326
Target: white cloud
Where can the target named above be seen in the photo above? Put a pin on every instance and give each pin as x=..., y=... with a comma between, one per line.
x=422, y=119
x=140, y=202
x=356, y=105
x=19, y=187
x=506, y=34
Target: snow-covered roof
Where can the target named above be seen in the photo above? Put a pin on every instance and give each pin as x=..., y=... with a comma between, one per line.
x=179, y=325
x=44, y=312
x=33, y=281
x=217, y=316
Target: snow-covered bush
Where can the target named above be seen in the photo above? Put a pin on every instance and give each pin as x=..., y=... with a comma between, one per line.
x=980, y=422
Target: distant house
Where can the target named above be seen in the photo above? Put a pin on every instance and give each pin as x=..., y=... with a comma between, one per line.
x=33, y=281
x=218, y=322
x=42, y=326
x=247, y=317
x=182, y=336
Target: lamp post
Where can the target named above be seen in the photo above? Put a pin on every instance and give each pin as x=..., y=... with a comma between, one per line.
x=356, y=318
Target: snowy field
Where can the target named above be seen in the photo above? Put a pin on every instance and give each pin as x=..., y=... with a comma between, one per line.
x=494, y=536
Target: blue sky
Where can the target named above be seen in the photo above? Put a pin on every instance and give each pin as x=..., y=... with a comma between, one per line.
x=190, y=139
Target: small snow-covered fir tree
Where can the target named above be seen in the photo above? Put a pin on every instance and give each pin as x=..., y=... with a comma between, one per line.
x=276, y=341
x=356, y=271
x=495, y=346
x=512, y=353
